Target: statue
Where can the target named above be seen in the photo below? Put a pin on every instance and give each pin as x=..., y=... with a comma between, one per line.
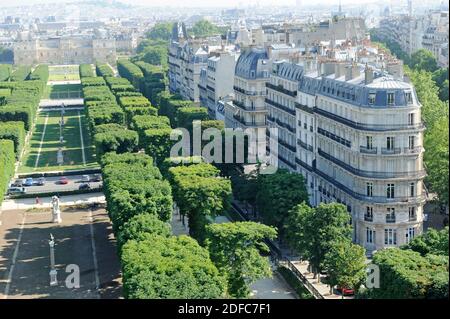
x=56, y=212
x=53, y=271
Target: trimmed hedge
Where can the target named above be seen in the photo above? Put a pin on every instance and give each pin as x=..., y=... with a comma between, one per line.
x=93, y=81
x=40, y=73
x=141, y=123
x=130, y=71
x=14, y=131
x=120, y=141
x=157, y=143
x=7, y=161
x=86, y=71
x=104, y=70
x=169, y=105
x=20, y=74
x=5, y=72
x=186, y=115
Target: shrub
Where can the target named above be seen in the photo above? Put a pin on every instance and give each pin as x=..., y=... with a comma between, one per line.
x=5, y=72
x=21, y=73
x=14, y=131
x=40, y=73
x=92, y=81
x=86, y=71
x=157, y=143
x=7, y=161
x=130, y=71
x=104, y=70
x=119, y=141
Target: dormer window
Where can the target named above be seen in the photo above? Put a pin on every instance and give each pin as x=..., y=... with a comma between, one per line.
x=409, y=97
x=390, y=98
x=372, y=98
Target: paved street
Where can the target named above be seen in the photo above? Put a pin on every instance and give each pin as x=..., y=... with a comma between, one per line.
x=52, y=185
x=84, y=238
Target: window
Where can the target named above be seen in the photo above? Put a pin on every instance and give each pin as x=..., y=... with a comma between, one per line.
x=411, y=140
x=409, y=97
x=369, y=142
x=370, y=236
x=372, y=98
x=390, y=191
x=412, y=214
x=390, y=236
x=390, y=98
x=390, y=215
x=410, y=233
x=369, y=187
x=390, y=140
x=369, y=214
x=412, y=189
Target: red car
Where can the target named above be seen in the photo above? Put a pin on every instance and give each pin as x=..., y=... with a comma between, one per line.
x=346, y=291
x=63, y=180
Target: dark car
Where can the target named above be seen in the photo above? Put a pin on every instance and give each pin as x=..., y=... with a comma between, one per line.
x=16, y=190
x=17, y=183
x=97, y=178
x=84, y=187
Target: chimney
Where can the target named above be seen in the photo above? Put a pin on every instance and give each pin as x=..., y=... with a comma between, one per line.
x=339, y=70
x=368, y=75
x=351, y=71
x=395, y=68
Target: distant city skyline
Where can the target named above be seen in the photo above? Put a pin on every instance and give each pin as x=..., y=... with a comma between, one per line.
x=217, y=3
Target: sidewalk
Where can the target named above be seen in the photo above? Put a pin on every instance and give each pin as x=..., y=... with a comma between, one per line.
x=26, y=203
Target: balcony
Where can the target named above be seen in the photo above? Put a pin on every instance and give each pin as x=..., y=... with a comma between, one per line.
x=280, y=107
x=281, y=89
x=412, y=218
x=286, y=126
x=284, y=160
x=368, y=218
x=414, y=150
x=248, y=123
x=304, y=108
x=390, y=219
x=242, y=106
x=304, y=164
x=246, y=92
x=286, y=145
x=369, y=127
x=391, y=151
x=366, y=150
x=304, y=145
x=370, y=174
x=334, y=137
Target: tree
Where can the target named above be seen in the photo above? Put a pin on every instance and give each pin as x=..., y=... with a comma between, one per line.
x=161, y=31
x=155, y=55
x=436, y=159
x=424, y=60
x=316, y=230
x=142, y=227
x=405, y=274
x=432, y=242
x=169, y=268
x=277, y=194
x=235, y=249
x=204, y=28
x=345, y=264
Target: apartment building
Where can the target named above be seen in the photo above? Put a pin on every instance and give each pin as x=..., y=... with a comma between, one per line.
x=247, y=110
x=216, y=80
x=358, y=141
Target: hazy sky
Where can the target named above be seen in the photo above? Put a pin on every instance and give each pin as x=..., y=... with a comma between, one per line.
x=201, y=3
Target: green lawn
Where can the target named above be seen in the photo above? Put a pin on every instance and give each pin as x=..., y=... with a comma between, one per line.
x=64, y=73
x=73, y=156
x=63, y=91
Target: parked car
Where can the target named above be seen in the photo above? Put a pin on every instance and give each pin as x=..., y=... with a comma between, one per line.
x=97, y=178
x=28, y=182
x=63, y=180
x=17, y=183
x=84, y=186
x=345, y=291
x=85, y=179
x=40, y=181
x=16, y=190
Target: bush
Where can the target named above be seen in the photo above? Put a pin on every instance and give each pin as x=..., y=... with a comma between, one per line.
x=141, y=123
x=173, y=267
x=130, y=71
x=40, y=73
x=104, y=70
x=21, y=73
x=14, y=131
x=104, y=114
x=5, y=72
x=295, y=283
x=92, y=81
x=141, y=227
x=119, y=141
x=157, y=143
x=7, y=162
x=86, y=71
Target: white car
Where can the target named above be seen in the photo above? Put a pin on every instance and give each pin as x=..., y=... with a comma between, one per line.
x=85, y=179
